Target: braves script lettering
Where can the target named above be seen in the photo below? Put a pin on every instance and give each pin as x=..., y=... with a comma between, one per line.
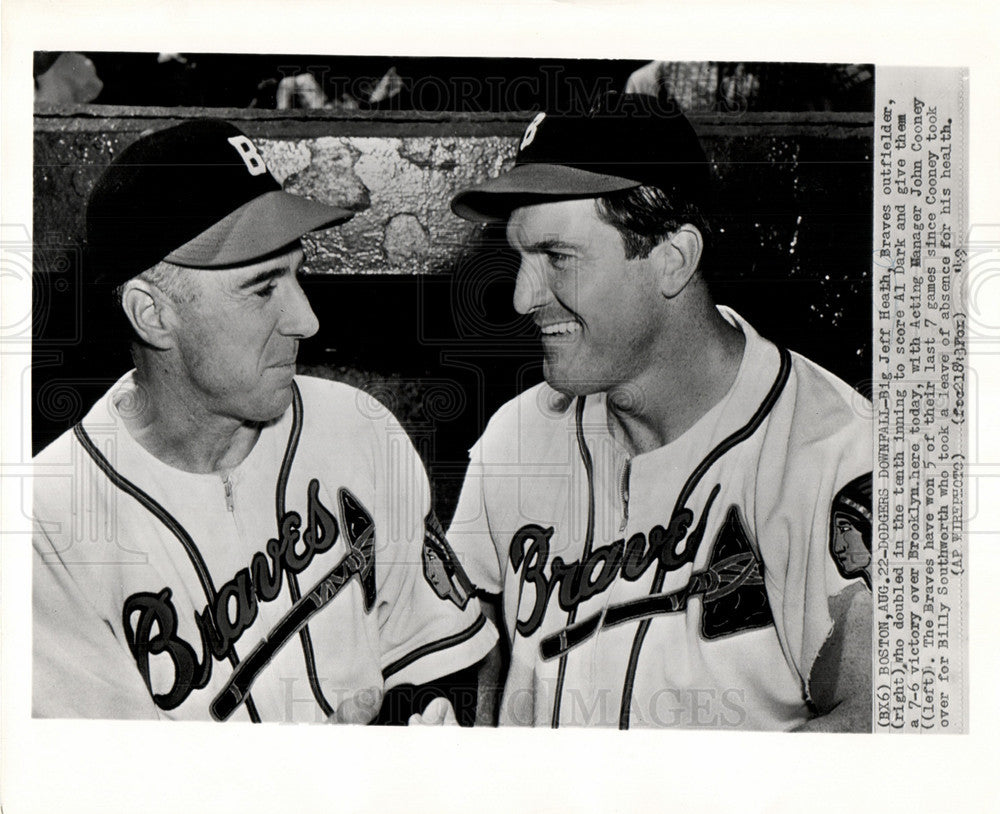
x=672, y=547
x=150, y=619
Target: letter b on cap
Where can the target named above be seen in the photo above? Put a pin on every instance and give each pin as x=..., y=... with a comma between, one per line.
x=255, y=164
x=529, y=133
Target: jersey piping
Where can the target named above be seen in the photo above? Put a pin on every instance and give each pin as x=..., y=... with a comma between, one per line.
x=723, y=447
x=588, y=465
x=293, y=580
x=434, y=647
x=175, y=528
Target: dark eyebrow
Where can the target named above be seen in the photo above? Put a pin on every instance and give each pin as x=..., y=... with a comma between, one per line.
x=263, y=276
x=549, y=244
x=277, y=270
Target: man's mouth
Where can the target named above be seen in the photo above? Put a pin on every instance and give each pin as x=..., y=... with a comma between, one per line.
x=560, y=328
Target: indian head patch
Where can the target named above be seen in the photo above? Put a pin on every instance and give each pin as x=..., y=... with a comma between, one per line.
x=851, y=529
x=442, y=570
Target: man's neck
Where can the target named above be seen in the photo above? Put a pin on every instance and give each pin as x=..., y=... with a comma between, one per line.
x=170, y=429
x=691, y=376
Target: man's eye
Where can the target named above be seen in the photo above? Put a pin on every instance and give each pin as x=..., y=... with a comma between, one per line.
x=266, y=291
x=558, y=260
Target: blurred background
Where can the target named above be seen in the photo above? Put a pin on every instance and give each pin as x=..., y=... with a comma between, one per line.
x=283, y=81
x=415, y=304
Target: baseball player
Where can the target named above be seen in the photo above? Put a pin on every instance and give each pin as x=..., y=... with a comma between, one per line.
x=663, y=520
x=220, y=538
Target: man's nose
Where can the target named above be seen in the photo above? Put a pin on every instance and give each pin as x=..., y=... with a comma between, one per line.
x=531, y=291
x=298, y=318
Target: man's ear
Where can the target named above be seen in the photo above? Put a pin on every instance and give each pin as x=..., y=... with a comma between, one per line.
x=677, y=258
x=148, y=309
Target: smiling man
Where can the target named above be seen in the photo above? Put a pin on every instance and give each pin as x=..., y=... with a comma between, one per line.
x=220, y=538
x=657, y=518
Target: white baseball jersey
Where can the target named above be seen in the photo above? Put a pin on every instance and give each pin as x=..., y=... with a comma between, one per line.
x=311, y=571
x=686, y=586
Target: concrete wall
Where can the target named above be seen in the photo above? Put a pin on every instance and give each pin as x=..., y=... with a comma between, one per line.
x=399, y=171
x=398, y=174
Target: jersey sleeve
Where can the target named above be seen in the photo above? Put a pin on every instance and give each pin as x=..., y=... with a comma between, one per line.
x=430, y=622
x=470, y=532
x=80, y=669
x=814, y=530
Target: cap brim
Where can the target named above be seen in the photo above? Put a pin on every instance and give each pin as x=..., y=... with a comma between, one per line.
x=258, y=228
x=495, y=199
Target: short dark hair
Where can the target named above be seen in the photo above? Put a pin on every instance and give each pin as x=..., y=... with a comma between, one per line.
x=644, y=216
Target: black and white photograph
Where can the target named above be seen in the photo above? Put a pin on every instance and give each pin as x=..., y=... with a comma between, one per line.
x=485, y=403
x=665, y=518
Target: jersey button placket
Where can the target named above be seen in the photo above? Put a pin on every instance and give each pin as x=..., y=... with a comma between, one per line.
x=227, y=488
x=231, y=489
x=619, y=505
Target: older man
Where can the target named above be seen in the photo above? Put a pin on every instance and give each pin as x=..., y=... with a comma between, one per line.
x=658, y=517
x=220, y=538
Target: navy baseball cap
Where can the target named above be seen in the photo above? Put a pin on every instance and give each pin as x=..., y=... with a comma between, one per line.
x=624, y=141
x=197, y=195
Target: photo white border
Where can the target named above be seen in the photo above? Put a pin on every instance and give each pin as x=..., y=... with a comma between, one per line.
x=117, y=766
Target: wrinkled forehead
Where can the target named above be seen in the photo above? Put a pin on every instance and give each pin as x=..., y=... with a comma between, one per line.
x=566, y=221
x=290, y=258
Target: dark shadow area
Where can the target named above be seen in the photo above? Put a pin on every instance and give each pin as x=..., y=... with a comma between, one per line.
x=461, y=84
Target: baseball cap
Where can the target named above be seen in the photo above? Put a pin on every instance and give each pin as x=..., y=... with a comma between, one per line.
x=624, y=141
x=198, y=195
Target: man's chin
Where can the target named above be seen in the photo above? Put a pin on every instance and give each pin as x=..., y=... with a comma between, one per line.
x=572, y=385
x=566, y=387
x=274, y=409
